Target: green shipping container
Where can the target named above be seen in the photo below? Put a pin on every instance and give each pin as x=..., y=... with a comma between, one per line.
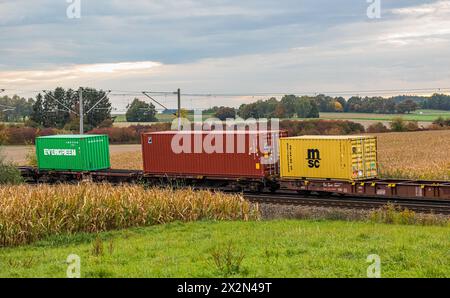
x=73, y=152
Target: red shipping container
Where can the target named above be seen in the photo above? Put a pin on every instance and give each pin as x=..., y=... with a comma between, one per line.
x=219, y=154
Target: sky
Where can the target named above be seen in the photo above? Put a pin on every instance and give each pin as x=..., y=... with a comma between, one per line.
x=248, y=48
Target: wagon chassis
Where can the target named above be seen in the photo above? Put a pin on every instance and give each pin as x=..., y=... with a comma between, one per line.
x=374, y=188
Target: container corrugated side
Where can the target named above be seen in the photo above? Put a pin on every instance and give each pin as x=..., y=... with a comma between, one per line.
x=160, y=159
x=73, y=152
x=329, y=157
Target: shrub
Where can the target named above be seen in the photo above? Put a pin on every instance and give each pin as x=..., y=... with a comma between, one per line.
x=321, y=127
x=20, y=135
x=412, y=126
x=131, y=134
x=31, y=123
x=51, y=132
x=106, y=123
x=227, y=259
x=118, y=135
x=3, y=136
x=441, y=122
x=398, y=125
x=392, y=214
x=377, y=128
x=31, y=157
x=9, y=174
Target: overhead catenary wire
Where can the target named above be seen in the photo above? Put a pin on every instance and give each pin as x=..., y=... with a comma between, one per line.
x=52, y=97
x=343, y=92
x=98, y=102
x=157, y=102
x=114, y=92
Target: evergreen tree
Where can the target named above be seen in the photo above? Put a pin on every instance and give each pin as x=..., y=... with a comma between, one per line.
x=140, y=111
x=37, y=114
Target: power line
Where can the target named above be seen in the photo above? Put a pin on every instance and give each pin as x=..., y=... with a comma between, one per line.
x=313, y=92
x=52, y=97
x=114, y=92
x=81, y=113
x=157, y=102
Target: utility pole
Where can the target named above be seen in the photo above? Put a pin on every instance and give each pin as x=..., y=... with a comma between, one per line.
x=179, y=109
x=80, y=94
x=178, y=93
x=81, y=112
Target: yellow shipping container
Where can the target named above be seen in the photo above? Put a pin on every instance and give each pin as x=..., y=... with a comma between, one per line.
x=329, y=157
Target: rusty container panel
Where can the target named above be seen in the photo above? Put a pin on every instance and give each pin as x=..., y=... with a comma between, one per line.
x=227, y=154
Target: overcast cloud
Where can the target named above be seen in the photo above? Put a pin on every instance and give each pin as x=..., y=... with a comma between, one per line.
x=224, y=46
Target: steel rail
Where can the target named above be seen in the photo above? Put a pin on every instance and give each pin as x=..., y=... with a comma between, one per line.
x=423, y=206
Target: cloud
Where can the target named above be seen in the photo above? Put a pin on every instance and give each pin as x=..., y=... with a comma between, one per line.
x=63, y=74
x=418, y=25
x=429, y=9
x=224, y=46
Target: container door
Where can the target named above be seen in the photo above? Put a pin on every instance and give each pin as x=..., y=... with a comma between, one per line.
x=370, y=155
x=357, y=159
x=364, y=164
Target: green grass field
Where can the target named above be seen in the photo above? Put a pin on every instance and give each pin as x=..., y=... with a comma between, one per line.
x=267, y=249
x=419, y=115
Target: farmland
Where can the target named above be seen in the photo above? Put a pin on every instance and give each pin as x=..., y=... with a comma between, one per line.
x=423, y=117
x=95, y=208
x=418, y=155
x=415, y=155
x=129, y=231
x=419, y=115
x=285, y=248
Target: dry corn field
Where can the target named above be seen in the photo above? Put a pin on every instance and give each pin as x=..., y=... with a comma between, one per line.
x=31, y=213
x=414, y=155
x=127, y=160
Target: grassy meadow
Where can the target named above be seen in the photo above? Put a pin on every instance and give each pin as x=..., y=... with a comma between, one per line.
x=419, y=115
x=284, y=248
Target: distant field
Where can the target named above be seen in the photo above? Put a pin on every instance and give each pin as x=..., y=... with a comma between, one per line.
x=18, y=154
x=424, y=117
x=415, y=155
x=419, y=115
x=266, y=249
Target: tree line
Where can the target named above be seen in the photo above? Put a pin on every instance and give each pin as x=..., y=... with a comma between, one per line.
x=310, y=106
x=60, y=109
x=15, y=109
x=44, y=111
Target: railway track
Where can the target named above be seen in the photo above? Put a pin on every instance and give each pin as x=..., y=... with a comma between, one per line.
x=397, y=192
x=420, y=206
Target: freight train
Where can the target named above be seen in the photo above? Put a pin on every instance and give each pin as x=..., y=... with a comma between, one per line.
x=239, y=161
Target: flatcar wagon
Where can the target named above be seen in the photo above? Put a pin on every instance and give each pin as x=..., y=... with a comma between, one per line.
x=239, y=159
x=267, y=161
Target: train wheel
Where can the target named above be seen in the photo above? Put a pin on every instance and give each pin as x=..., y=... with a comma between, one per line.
x=273, y=188
x=256, y=187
